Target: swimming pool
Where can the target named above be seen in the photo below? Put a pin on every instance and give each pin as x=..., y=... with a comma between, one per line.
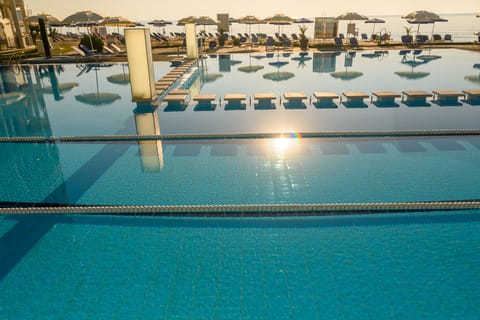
x=423, y=265
x=392, y=264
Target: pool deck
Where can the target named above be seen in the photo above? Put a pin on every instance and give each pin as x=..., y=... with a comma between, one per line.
x=174, y=51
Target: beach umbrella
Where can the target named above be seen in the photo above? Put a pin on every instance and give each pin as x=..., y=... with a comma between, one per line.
x=423, y=17
x=350, y=16
x=82, y=16
x=159, y=23
x=185, y=20
x=48, y=18
x=83, y=19
x=116, y=22
x=204, y=21
x=279, y=20
x=303, y=20
x=249, y=20
x=374, y=21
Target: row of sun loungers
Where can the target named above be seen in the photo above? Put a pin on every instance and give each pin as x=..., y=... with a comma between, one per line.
x=178, y=98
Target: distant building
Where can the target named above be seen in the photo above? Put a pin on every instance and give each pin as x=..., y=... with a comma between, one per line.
x=14, y=32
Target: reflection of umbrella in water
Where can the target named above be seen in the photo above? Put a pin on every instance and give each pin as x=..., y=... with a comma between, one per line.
x=413, y=75
x=374, y=21
x=62, y=87
x=250, y=68
x=346, y=75
x=120, y=78
x=474, y=78
x=278, y=63
x=97, y=98
x=301, y=60
x=278, y=76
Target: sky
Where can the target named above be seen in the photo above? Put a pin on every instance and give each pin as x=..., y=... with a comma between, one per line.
x=143, y=10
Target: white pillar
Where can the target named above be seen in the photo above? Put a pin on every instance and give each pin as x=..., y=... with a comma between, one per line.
x=191, y=41
x=140, y=64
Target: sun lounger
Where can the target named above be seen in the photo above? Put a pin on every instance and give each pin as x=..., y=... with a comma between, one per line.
x=116, y=48
x=472, y=96
x=354, y=42
x=355, y=98
x=338, y=43
x=385, y=98
x=78, y=51
x=325, y=98
x=416, y=97
x=447, y=97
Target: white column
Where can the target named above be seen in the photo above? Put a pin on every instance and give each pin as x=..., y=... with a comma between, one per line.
x=140, y=64
x=191, y=41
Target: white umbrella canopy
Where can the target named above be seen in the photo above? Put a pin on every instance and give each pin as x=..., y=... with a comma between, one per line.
x=351, y=16
x=159, y=23
x=279, y=20
x=423, y=17
x=116, y=22
x=82, y=16
x=374, y=21
x=48, y=18
x=249, y=20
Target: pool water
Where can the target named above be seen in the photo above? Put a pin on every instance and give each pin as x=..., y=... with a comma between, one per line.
x=244, y=172
x=396, y=267
x=43, y=113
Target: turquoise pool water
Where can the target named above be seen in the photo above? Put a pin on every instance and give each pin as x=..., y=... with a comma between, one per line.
x=257, y=171
x=42, y=113
x=396, y=267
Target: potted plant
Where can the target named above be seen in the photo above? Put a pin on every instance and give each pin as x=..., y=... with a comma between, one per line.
x=409, y=36
x=303, y=38
x=221, y=37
